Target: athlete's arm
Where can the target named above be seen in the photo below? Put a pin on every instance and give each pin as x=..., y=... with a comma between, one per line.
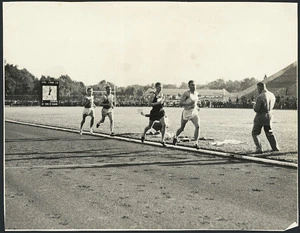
x=150, y=103
x=113, y=102
x=105, y=102
x=183, y=98
x=86, y=101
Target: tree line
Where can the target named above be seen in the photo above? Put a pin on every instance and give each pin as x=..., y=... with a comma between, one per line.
x=20, y=83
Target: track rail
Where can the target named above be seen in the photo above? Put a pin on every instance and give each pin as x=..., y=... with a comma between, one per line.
x=200, y=151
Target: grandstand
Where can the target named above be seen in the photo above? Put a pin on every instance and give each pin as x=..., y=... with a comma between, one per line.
x=282, y=83
x=207, y=94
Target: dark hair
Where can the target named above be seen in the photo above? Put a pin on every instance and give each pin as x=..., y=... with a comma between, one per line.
x=261, y=84
x=191, y=81
x=157, y=84
x=89, y=88
x=107, y=87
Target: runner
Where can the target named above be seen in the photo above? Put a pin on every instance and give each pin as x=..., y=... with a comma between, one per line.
x=189, y=101
x=107, y=110
x=88, y=110
x=157, y=113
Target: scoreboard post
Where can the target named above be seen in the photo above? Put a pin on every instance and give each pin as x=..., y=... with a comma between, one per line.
x=49, y=93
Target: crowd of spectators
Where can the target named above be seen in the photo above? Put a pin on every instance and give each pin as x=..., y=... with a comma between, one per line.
x=282, y=102
x=286, y=102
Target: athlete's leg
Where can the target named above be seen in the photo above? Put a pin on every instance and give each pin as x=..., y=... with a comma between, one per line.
x=92, y=115
x=103, y=115
x=256, y=130
x=196, y=121
x=102, y=119
x=111, y=118
x=182, y=126
x=180, y=130
x=92, y=121
x=83, y=120
x=163, y=129
x=82, y=123
x=146, y=129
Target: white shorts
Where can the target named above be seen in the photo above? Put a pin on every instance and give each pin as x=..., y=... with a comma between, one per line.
x=189, y=114
x=106, y=111
x=89, y=112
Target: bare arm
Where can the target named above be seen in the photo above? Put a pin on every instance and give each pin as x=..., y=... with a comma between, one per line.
x=107, y=103
x=182, y=99
x=88, y=102
x=85, y=101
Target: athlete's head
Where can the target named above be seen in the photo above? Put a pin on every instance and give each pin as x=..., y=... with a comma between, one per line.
x=108, y=89
x=89, y=91
x=260, y=87
x=158, y=86
x=192, y=85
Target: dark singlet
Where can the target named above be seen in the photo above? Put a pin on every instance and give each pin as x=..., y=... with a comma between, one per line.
x=157, y=111
x=106, y=102
x=88, y=104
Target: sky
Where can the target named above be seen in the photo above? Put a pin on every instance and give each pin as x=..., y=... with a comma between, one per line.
x=145, y=42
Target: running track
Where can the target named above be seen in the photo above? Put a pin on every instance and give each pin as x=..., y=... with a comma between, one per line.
x=60, y=180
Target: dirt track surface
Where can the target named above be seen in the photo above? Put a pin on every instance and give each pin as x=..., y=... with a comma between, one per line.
x=113, y=184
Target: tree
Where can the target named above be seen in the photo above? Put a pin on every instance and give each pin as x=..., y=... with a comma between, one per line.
x=248, y=82
x=130, y=91
x=140, y=92
x=218, y=84
x=233, y=86
x=27, y=83
x=10, y=83
x=170, y=86
x=184, y=85
x=18, y=82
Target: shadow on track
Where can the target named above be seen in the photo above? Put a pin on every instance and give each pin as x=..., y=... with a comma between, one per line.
x=167, y=163
x=52, y=139
x=116, y=155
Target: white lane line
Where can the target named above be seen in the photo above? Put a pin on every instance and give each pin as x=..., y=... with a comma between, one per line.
x=201, y=151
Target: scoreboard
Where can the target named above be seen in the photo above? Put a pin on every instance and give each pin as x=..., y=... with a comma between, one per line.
x=49, y=93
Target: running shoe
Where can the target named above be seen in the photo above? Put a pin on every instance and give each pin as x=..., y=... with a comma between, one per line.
x=112, y=134
x=80, y=132
x=142, y=138
x=174, y=141
x=197, y=146
x=274, y=150
x=163, y=144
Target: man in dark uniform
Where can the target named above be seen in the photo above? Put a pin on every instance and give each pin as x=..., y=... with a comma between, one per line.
x=157, y=112
x=263, y=107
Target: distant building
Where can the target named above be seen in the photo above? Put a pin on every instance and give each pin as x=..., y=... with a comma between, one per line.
x=283, y=83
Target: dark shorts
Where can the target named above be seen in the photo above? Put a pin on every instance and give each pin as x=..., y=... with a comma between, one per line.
x=155, y=116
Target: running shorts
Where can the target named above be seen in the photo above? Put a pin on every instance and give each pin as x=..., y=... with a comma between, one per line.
x=106, y=111
x=155, y=116
x=188, y=114
x=89, y=112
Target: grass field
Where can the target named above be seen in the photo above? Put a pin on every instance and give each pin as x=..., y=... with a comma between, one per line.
x=218, y=124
